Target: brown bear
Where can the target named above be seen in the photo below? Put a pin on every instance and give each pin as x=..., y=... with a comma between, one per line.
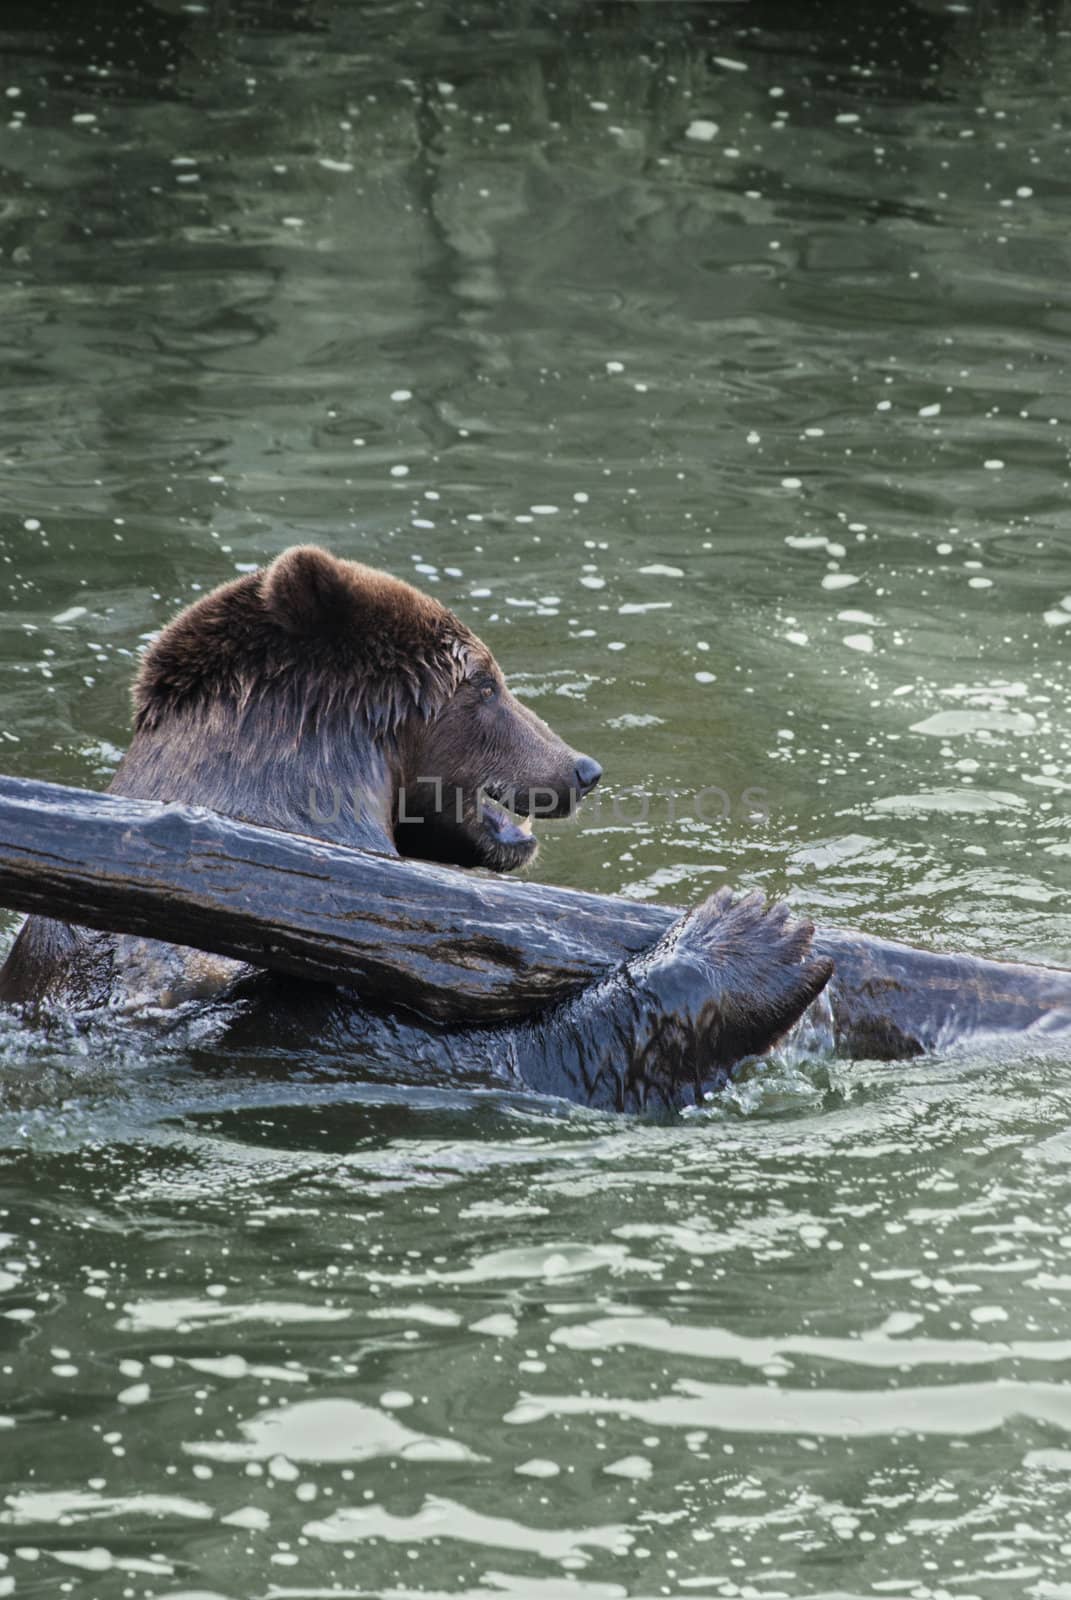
x=321, y=697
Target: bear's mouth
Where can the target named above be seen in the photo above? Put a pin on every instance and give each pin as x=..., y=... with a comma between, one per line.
x=470, y=830
x=510, y=838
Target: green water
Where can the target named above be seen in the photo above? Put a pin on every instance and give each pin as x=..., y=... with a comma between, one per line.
x=713, y=362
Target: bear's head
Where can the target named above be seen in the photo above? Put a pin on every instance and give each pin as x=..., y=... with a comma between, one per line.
x=322, y=696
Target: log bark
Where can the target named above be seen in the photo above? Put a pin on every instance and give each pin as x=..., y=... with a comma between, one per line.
x=457, y=948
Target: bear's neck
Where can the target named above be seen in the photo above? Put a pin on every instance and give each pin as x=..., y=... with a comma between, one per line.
x=330, y=784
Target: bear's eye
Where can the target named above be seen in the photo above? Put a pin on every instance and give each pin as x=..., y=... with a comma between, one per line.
x=484, y=684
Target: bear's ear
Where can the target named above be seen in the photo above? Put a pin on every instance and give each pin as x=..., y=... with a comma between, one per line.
x=308, y=590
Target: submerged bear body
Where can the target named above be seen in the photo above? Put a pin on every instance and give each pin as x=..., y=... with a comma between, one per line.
x=320, y=697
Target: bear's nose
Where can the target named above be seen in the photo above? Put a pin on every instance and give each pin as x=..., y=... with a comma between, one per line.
x=588, y=772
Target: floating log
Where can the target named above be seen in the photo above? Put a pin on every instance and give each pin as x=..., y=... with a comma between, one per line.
x=458, y=948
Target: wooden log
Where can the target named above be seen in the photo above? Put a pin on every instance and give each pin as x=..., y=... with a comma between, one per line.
x=458, y=948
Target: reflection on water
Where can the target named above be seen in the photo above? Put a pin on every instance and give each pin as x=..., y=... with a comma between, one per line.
x=711, y=361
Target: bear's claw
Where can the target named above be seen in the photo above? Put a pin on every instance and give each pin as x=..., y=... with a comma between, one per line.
x=740, y=973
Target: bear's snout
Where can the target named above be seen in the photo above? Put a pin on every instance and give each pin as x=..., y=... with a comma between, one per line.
x=586, y=776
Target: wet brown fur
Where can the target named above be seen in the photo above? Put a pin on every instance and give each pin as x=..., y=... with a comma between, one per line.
x=318, y=675
x=322, y=697
x=316, y=637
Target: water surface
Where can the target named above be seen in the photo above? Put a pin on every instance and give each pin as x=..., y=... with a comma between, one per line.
x=712, y=361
